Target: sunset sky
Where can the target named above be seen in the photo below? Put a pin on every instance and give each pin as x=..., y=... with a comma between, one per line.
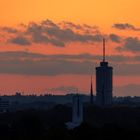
x=54, y=45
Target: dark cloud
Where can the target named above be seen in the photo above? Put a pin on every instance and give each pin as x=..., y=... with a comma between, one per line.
x=130, y=44
x=57, y=34
x=127, y=69
x=38, y=64
x=20, y=40
x=115, y=38
x=48, y=23
x=57, y=42
x=60, y=34
x=67, y=35
x=9, y=30
x=94, y=58
x=13, y=55
x=85, y=28
x=39, y=34
x=49, y=32
x=71, y=25
x=119, y=49
x=137, y=58
x=44, y=67
x=68, y=57
x=125, y=26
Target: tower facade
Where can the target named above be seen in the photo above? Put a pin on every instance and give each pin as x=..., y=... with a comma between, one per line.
x=104, y=82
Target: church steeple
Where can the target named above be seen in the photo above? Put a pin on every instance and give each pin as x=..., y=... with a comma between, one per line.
x=91, y=92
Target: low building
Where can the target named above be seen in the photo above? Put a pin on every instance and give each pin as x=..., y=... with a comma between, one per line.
x=4, y=106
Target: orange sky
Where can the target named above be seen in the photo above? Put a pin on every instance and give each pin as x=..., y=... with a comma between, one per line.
x=101, y=13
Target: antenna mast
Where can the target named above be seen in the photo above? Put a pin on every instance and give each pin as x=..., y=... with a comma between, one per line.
x=103, y=49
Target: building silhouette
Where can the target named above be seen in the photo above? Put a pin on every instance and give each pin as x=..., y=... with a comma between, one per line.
x=77, y=112
x=4, y=106
x=77, y=109
x=104, y=82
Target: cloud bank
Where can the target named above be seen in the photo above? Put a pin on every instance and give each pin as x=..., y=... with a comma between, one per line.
x=130, y=44
x=49, y=33
x=26, y=63
x=125, y=26
x=56, y=34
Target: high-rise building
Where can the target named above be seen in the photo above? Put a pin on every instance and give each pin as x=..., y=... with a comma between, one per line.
x=104, y=82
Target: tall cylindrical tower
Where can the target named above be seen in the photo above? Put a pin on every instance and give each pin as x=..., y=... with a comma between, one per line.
x=104, y=82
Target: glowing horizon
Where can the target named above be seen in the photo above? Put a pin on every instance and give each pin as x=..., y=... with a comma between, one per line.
x=61, y=41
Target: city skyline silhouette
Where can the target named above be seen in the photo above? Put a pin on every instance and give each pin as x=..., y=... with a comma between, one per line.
x=69, y=69
x=44, y=47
